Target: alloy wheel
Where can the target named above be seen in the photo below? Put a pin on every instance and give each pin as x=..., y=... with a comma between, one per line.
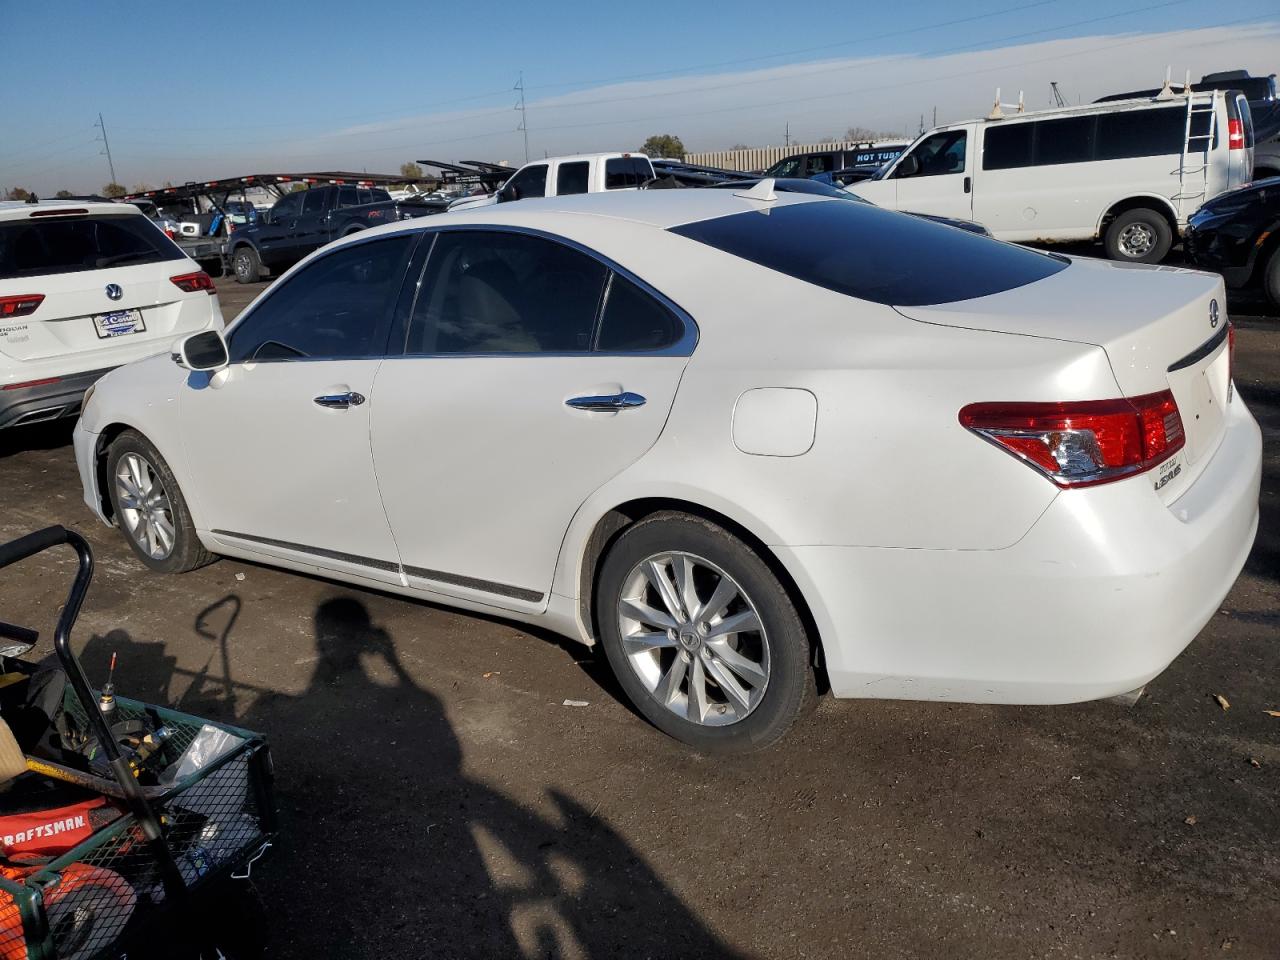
x=144, y=506
x=693, y=638
x=1136, y=240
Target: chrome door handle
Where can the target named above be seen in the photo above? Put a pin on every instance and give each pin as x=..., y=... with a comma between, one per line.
x=340, y=401
x=617, y=401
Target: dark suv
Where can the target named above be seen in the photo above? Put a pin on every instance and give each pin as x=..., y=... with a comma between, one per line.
x=825, y=165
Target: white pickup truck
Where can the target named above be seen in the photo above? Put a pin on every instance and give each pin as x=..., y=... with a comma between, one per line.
x=559, y=176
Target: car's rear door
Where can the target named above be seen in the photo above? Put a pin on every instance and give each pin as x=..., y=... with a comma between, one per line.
x=277, y=444
x=533, y=372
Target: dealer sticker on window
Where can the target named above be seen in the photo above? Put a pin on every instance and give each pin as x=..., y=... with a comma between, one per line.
x=118, y=323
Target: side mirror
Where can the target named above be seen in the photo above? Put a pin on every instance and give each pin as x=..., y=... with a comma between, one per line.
x=206, y=350
x=909, y=166
x=507, y=194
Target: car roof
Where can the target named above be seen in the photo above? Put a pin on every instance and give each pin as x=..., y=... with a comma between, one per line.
x=21, y=210
x=585, y=156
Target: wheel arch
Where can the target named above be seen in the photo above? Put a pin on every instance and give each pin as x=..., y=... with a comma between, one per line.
x=101, y=450
x=612, y=522
x=1144, y=201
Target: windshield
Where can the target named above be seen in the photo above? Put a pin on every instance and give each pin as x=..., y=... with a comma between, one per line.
x=862, y=251
x=31, y=248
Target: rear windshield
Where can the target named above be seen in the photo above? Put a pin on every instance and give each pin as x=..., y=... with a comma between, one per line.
x=872, y=254
x=40, y=247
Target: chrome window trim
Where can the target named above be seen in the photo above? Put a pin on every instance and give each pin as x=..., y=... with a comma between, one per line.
x=683, y=347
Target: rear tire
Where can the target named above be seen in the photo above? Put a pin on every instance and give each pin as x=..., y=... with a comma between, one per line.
x=1141, y=235
x=246, y=265
x=1271, y=277
x=149, y=507
x=726, y=680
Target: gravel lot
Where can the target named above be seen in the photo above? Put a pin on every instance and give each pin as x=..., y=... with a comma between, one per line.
x=438, y=801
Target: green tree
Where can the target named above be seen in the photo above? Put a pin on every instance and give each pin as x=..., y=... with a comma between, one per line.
x=663, y=145
x=410, y=169
x=114, y=190
x=64, y=194
x=17, y=193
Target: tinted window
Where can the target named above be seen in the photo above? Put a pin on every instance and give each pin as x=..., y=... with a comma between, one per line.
x=789, y=167
x=1067, y=140
x=572, y=177
x=866, y=252
x=36, y=247
x=336, y=306
x=529, y=182
x=940, y=154
x=313, y=201
x=819, y=163
x=1004, y=148
x=1141, y=133
x=489, y=292
x=378, y=196
x=633, y=320
x=289, y=206
x=622, y=172
x=348, y=197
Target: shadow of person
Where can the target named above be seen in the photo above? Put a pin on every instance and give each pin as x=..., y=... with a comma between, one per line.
x=389, y=850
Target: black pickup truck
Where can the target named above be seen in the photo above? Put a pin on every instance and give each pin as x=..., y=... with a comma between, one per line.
x=306, y=220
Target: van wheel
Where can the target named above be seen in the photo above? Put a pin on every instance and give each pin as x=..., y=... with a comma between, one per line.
x=149, y=507
x=1271, y=277
x=245, y=263
x=1139, y=236
x=702, y=636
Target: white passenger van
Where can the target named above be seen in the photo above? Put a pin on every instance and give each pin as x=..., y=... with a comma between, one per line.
x=1127, y=172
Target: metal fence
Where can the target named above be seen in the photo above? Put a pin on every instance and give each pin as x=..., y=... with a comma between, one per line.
x=758, y=158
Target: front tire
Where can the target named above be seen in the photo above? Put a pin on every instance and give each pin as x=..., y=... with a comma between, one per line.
x=149, y=507
x=702, y=636
x=1139, y=236
x=246, y=265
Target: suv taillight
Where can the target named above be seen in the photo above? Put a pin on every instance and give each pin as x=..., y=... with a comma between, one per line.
x=1235, y=134
x=191, y=282
x=20, y=306
x=1083, y=443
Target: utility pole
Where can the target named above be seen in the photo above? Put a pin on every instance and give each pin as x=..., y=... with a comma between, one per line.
x=524, y=117
x=106, y=148
x=935, y=115
x=786, y=136
x=1057, y=95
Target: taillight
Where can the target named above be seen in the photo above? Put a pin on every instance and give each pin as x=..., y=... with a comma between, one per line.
x=1083, y=443
x=1235, y=134
x=20, y=306
x=191, y=282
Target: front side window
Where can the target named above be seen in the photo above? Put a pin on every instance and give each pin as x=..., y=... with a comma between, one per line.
x=529, y=182
x=338, y=306
x=313, y=202
x=348, y=197
x=572, y=177
x=491, y=293
x=939, y=154
x=289, y=206
x=57, y=245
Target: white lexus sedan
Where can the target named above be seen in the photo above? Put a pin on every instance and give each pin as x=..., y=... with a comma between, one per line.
x=744, y=441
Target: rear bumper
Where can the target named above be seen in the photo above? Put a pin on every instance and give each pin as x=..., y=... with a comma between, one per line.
x=20, y=405
x=1099, y=597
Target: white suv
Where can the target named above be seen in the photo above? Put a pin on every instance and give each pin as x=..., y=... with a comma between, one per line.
x=85, y=287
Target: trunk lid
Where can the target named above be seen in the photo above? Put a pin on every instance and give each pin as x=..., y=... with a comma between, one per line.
x=1162, y=328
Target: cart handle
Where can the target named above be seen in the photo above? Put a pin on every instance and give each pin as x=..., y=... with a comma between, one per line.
x=31, y=544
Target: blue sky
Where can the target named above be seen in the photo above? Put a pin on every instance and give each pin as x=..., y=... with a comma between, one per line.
x=309, y=86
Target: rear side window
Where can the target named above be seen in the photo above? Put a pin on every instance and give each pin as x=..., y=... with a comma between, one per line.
x=572, y=177
x=488, y=292
x=623, y=172
x=378, y=196
x=873, y=254
x=1143, y=133
x=348, y=197
x=39, y=247
x=1066, y=140
x=1005, y=148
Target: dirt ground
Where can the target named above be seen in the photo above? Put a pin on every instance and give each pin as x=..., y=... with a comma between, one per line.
x=439, y=801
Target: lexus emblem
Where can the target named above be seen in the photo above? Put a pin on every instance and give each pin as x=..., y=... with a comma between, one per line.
x=1213, y=314
x=115, y=293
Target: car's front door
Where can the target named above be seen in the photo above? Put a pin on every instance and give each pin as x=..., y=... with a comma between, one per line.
x=940, y=180
x=532, y=373
x=278, y=443
x=274, y=233
x=312, y=227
